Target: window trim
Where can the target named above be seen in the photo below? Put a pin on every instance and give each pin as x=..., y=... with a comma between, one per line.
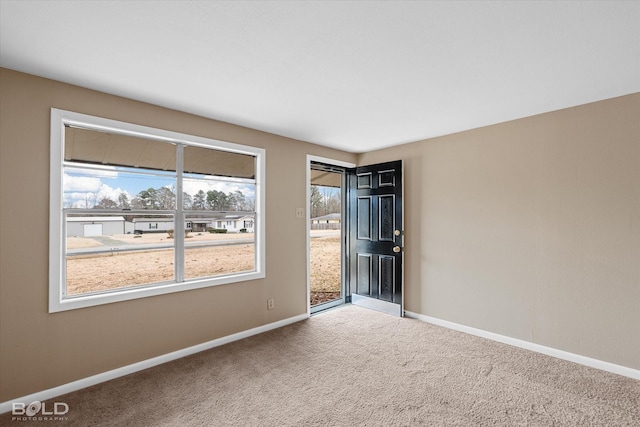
x=57, y=226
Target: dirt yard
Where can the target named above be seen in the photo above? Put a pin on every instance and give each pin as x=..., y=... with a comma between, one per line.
x=325, y=269
x=126, y=269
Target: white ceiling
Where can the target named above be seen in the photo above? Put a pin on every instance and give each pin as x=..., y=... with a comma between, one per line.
x=350, y=75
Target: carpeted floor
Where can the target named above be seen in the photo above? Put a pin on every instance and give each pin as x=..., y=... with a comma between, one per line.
x=356, y=367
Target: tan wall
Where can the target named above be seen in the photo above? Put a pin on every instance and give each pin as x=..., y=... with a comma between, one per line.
x=531, y=228
x=41, y=350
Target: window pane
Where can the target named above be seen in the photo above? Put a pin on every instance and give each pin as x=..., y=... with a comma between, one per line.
x=118, y=188
x=219, y=245
x=218, y=194
x=113, y=252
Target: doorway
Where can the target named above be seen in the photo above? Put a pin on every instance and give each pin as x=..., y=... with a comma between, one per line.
x=326, y=203
x=355, y=237
x=326, y=235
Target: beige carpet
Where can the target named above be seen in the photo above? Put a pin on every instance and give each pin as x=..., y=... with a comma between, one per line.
x=355, y=367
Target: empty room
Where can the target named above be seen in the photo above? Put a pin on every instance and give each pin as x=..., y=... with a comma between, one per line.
x=292, y=213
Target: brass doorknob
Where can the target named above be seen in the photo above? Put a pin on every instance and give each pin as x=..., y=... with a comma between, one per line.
x=397, y=249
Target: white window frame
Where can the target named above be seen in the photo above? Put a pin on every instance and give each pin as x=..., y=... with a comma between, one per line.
x=57, y=235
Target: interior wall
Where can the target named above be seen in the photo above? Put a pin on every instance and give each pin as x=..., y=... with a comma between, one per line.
x=41, y=350
x=530, y=228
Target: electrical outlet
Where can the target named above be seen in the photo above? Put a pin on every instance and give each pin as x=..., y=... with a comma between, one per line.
x=299, y=212
x=270, y=305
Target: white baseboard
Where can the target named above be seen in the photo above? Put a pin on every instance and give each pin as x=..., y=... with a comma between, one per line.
x=145, y=364
x=549, y=351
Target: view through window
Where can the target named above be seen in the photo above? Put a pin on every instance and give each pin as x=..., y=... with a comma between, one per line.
x=140, y=210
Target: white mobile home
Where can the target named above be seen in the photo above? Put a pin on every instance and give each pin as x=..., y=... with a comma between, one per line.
x=232, y=223
x=235, y=223
x=326, y=222
x=153, y=225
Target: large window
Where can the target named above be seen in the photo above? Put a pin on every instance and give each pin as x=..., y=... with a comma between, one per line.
x=138, y=211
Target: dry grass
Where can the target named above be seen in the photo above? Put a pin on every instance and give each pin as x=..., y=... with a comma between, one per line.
x=325, y=269
x=101, y=272
x=81, y=242
x=125, y=269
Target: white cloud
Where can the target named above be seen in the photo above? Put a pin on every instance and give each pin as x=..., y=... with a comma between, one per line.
x=111, y=193
x=85, y=192
x=81, y=183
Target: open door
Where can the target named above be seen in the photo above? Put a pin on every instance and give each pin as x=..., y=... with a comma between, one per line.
x=376, y=237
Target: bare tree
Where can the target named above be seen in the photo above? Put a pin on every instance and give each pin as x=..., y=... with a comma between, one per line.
x=123, y=201
x=187, y=200
x=315, y=202
x=199, y=200
x=105, y=203
x=165, y=198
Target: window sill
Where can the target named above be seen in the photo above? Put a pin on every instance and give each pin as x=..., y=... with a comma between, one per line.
x=57, y=304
